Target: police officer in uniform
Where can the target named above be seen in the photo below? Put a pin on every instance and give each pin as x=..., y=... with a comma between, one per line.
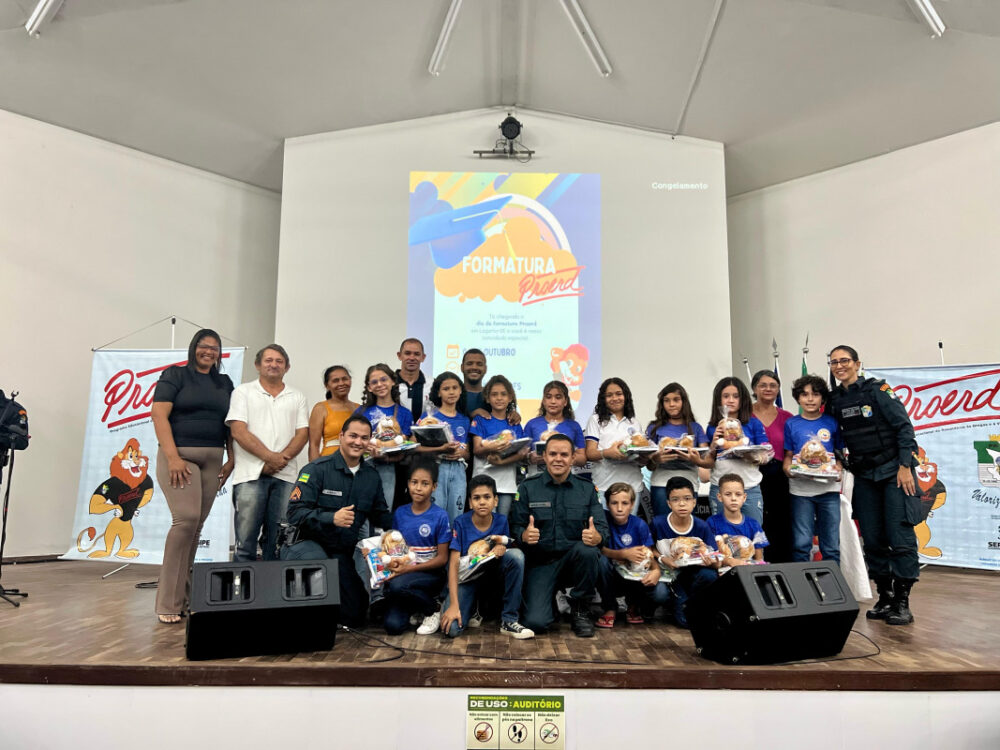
x=332, y=499
x=880, y=454
x=561, y=523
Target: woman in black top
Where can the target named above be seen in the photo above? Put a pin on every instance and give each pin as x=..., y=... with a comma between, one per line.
x=189, y=412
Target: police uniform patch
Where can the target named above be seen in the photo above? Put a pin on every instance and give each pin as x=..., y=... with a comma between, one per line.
x=517, y=497
x=303, y=478
x=296, y=494
x=887, y=390
x=866, y=411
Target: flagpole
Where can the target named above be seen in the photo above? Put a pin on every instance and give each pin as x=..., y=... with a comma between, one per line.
x=774, y=347
x=746, y=364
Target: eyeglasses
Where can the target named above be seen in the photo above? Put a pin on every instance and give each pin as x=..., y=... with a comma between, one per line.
x=840, y=362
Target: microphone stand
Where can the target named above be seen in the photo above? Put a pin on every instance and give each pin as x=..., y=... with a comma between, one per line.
x=5, y=456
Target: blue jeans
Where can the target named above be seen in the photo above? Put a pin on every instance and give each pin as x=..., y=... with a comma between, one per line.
x=689, y=581
x=261, y=502
x=753, y=507
x=658, y=495
x=450, y=492
x=387, y=473
x=408, y=594
x=511, y=568
x=504, y=501
x=610, y=586
x=822, y=514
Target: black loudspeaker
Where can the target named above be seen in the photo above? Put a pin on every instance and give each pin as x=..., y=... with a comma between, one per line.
x=763, y=614
x=252, y=608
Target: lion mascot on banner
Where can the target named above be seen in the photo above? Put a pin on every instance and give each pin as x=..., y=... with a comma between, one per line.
x=933, y=494
x=568, y=366
x=127, y=489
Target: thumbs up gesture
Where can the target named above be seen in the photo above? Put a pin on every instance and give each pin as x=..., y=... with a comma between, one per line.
x=344, y=518
x=591, y=536
x=530, y=534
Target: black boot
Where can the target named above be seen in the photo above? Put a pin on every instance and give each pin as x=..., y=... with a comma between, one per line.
x=900, y=613
x=885, y=598
x=582, y=625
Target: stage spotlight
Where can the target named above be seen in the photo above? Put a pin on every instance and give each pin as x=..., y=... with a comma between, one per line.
x=510, y=128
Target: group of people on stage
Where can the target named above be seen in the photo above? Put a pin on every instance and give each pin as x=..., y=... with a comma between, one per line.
x=571, y=510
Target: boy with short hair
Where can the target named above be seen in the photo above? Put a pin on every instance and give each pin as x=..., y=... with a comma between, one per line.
x=630, y=545
x=680, y=521
x=482, y=523
x=732, y=521
x=815, y=501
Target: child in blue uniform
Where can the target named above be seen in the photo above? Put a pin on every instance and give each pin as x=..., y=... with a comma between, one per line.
x=447, y=394
x=554, y=415
x=480, y=523
x=416, y=586
x=681, y=522
x=499, y=395
x=674, y=419
x=733, y=521
x=630, y=543
x=731, y=395
x=380, y=399
x=815, y=502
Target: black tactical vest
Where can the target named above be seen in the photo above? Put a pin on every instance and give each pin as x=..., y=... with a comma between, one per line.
x=869, y=439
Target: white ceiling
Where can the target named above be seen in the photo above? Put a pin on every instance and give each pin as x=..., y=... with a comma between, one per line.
x=791, y=87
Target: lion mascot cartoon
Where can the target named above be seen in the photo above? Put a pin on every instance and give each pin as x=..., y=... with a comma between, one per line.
x=568, y=366
x=127, y=489
x=932, y=494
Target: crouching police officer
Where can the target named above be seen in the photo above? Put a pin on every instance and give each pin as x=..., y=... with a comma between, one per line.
x=880, y=454
x=561, y=523
x=332, y=499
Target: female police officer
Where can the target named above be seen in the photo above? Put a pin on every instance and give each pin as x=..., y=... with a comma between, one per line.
x=880, y=453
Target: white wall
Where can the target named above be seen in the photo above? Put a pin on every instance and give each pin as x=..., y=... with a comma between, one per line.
x=96, y=241
x=889, y=255
x=343, y=263
x=219, y=717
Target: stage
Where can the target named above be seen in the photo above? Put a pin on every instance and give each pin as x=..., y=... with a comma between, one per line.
x=77, y=629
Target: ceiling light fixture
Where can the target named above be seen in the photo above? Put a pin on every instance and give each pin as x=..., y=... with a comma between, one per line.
x=925, y=11
x=436, y=64
x=41, y=15
x=586, y=34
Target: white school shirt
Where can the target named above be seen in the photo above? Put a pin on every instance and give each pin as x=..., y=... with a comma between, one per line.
x=271, y=419
x=606, y=472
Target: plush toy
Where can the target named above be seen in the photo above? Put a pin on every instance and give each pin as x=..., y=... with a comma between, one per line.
x=729, y=434
x=387, y=433
x=735, y=546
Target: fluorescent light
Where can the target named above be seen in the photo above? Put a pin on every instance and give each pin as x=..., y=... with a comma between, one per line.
x=926, y=12
x=41, y=15
x=586, y=34
x=441, y=48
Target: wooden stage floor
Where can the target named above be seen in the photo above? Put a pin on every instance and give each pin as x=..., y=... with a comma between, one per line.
x=76, y=628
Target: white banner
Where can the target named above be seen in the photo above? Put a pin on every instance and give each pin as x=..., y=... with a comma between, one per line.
x=956, y=414
x=119, y=461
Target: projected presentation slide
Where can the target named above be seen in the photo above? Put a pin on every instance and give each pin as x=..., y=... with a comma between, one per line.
x=509, y=264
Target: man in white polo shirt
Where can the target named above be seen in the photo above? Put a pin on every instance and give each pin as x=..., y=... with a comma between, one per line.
x=270, y=426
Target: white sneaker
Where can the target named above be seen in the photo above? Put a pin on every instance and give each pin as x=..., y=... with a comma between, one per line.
x=516, y=630
x=430, y=625
x=476, y=621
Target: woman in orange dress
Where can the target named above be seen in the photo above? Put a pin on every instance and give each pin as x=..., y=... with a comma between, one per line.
x=328, y=416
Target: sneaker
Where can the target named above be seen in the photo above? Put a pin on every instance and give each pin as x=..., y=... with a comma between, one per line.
x=516, y=630
x=476, y=621
x=430, y=625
